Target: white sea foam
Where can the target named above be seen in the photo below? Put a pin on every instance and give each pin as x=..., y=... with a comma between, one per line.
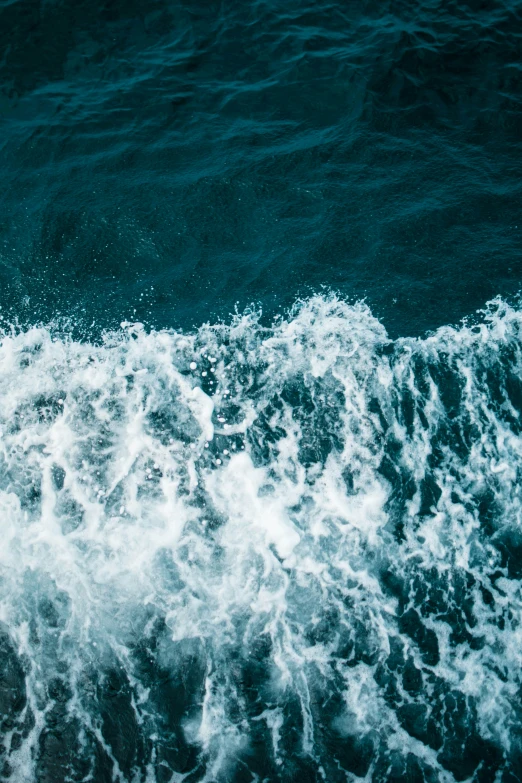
x=306, y=498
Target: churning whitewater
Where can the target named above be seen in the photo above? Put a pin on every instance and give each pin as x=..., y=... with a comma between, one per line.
x=262, y=554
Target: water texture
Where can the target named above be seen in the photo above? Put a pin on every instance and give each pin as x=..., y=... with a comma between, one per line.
x=260, y=392
x=257, y=554
x=163, y=161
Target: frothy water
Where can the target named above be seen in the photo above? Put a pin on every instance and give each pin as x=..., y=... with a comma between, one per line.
x=262, y=554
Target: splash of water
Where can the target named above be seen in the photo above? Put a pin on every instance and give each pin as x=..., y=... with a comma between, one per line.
x=251, y=554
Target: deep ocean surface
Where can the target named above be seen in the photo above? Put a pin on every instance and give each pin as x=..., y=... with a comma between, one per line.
x=260, y=391
x=179, y=158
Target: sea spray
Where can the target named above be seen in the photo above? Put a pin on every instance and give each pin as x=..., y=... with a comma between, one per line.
x=262, y=554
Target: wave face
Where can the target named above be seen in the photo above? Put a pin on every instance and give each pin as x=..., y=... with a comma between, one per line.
x=262, y=554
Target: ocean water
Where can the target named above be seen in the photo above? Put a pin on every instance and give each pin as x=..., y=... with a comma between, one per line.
x=260, y=392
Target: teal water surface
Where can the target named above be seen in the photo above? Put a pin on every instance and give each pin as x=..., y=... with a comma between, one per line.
x=260, y=392
x=165, y=161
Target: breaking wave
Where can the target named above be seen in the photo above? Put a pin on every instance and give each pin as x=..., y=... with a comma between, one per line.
x=262, y=554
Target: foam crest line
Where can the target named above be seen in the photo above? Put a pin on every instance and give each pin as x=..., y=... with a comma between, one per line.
x=262, y=554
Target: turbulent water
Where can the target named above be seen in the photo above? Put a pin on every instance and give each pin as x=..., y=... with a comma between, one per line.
x=260, y=484
x=262, y=554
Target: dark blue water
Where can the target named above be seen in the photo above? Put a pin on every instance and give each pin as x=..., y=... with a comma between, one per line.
x=260, y=484
x=165, y=161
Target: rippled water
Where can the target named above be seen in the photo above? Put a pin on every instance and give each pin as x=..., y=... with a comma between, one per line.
x=162, y=161
x=282, y=544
